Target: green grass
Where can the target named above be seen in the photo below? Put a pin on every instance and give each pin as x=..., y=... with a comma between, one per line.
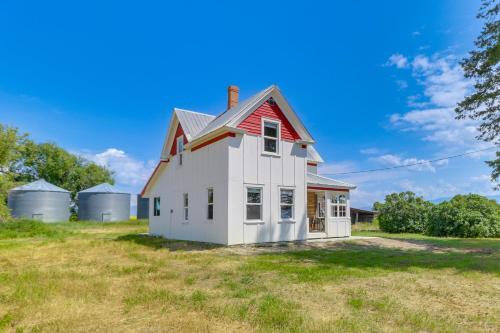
x=86, y=276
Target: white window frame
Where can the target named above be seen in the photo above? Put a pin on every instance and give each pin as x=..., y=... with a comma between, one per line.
x=210, y=203
x=180, y=147
x=261, y=204
x=277, y=138
x=335, y=206
x=154, y=206
x=280, y=204
x=185, y=210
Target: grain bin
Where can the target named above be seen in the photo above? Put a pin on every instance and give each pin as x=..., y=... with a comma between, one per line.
x=41, y=201
x=103, y=203
x=142, y=207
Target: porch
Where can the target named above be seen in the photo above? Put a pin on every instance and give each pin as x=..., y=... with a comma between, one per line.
x=327, y=207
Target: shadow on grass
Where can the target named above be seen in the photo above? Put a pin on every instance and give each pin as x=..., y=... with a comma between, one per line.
x=353, y=260
x=158, y=243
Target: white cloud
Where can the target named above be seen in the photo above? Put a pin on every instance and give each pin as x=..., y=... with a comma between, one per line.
x=398, y=60
x=129, y=173
x=412, y=163
x=433, y=116
x=370, y=151
x=416, y=33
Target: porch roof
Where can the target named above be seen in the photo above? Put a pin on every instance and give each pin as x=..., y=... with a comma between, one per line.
x=320, y=181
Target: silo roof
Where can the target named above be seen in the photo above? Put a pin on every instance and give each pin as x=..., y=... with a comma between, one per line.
x=103, y=188
x=41, y=186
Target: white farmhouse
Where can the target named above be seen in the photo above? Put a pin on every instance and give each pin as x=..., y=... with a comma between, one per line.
x=246, y=176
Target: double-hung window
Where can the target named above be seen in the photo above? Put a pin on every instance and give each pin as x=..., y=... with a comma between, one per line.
x=286, y=204
x=271, y=134
x=339, y=205
x=254, y=203
x=180, y=148
x=185, y=200
x=156, y=206
x=210, y=204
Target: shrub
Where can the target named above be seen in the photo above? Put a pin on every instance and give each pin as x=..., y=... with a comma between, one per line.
x=404, y=212
x=469, y=215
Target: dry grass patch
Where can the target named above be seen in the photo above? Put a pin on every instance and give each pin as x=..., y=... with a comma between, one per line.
x=112, y=278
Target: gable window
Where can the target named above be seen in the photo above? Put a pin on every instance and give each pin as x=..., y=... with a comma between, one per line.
x=271, y=134
x=180, y=148
x=286, y=204
x=339, y=205
x=185, y=200
x=254, y=203
x=156, y=206
x=210, y=206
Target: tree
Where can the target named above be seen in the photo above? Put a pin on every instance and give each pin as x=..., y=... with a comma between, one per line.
x=11, y=148
x=403, y=212
x=59, y=167
x=483, y=66
x=465, y=216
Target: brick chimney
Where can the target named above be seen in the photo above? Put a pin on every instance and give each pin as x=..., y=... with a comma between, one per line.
x=232, y=96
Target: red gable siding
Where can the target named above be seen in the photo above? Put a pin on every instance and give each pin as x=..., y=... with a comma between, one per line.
x=252, y=124
x=178, y=133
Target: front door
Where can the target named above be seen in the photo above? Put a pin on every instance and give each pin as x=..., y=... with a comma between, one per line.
x=316, y=211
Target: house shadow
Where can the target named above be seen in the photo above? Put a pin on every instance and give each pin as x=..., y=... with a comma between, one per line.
x=159, y=243
x=362, y=257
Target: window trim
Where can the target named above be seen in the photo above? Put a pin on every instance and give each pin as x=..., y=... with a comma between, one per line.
x=210, y=204
x=277, y=138
x=154, y=206
x=336, y=206
x=261, y=204
x=180, y=143
x=185, y=208
x=280, y=204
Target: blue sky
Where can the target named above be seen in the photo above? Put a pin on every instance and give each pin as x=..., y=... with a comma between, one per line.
x=375, y=81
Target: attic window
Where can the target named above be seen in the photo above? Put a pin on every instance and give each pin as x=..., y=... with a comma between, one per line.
x=271, y=135
x=271, y=101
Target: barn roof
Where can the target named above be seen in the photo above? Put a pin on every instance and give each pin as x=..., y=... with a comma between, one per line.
x=41, y=186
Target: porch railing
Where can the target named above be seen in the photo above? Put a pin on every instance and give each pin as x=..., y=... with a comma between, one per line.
x=317, y=224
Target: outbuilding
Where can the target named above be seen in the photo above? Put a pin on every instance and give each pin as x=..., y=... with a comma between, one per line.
x=41, y=201
x=103, y=203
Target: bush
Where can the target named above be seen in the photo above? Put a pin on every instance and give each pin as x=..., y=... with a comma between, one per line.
x=404, y=212
x=469, y=215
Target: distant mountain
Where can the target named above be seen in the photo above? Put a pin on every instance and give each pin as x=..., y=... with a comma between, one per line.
x=493, y=197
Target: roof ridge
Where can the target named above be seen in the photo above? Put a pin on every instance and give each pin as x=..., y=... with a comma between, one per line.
x=191, y=111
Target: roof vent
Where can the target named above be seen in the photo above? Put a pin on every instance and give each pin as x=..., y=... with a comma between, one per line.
x=271, y=101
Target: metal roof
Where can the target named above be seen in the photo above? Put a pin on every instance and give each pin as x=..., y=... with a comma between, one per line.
x=224, y=118
x=102, y=188
x=313, y=179
x=192, y=122
x=40, y=185
x=313, y=155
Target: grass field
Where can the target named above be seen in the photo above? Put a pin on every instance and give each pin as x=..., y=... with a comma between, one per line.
x=81, y=277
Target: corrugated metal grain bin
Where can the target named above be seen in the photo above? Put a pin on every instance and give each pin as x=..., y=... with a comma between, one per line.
x=142, y=207
x=103, y=203
x=41, y=201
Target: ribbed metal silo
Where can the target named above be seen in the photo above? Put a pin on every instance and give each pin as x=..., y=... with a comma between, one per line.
x=103, y=203
x=142, y=207
x=41, y=201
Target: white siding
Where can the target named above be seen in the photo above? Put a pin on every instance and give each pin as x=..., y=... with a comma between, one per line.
x=248, y=166
x=202, y=169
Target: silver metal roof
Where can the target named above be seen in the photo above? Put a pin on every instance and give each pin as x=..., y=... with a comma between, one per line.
x=313, y=179
x=40, y=185
x=227, y=116
x=102, y=188
x=313, y=155
x=192, y=122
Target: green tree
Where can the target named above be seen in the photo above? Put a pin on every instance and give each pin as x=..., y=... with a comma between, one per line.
x=61, y=168
x=482, y=65
x=12, y=145
x=404, y=212
x=469, y=215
